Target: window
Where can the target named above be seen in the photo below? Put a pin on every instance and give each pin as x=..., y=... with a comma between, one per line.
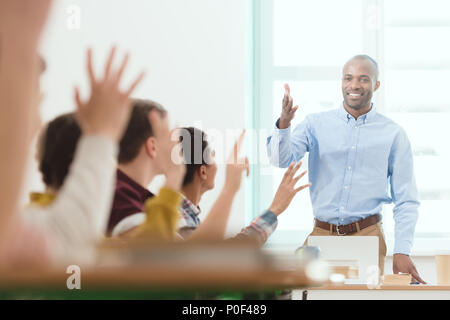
x=306, y=43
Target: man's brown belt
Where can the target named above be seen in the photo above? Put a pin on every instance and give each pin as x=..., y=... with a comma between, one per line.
x=347, y=229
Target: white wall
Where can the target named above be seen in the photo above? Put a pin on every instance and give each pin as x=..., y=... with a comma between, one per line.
x=193, y=51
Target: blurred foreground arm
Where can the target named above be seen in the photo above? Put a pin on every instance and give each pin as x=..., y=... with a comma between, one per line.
x=21, y=24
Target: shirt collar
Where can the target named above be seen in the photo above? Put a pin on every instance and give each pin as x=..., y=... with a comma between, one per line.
x=344, y=115
x=143, y=193
x=192, y=207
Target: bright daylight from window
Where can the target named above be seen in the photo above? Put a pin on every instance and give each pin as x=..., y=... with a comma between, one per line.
x=414, y=61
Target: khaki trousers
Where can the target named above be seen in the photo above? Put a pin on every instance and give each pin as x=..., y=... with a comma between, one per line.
x=374, y=230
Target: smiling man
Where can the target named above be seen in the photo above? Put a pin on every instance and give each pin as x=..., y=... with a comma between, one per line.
x=358, y=160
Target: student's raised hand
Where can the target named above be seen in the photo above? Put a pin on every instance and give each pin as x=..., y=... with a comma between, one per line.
x=286, y=191
x=22, y=21
x=108, y=109
x=236, y=166
x=169, y=150
x=287, y=109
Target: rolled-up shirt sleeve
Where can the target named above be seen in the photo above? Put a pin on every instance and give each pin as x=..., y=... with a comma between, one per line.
x=404, y=193
x=284, y=147
x=260, y=229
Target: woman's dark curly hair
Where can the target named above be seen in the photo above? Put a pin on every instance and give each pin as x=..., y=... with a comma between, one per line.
x=56, y=149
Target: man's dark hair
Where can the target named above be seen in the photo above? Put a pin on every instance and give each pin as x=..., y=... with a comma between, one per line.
x=138, y=131
x=195, y=156
x=56, y=148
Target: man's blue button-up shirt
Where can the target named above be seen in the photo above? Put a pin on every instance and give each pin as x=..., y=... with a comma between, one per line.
x=354, y=166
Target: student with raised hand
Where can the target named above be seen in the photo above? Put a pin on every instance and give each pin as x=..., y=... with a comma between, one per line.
x=140, y=161
x=161, y=212
x=215, y=224
x=77, y=216
x=141, y=158
x=56, y=147
x=21, y=25
x=200, y=178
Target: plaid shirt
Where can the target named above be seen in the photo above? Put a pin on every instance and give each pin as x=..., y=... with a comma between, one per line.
x=189, y=220
x=259, y=229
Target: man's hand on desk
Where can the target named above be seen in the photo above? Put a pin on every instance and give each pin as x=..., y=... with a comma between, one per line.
x=403, y=263
x=287, y=112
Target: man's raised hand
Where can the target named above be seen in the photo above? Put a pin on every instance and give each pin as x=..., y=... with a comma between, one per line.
x=287, y=111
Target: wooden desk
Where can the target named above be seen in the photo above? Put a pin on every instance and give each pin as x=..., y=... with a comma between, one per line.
x=147, y=270
x=362, y=292
x=146, y=282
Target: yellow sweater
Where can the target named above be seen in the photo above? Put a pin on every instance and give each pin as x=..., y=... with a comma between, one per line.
x=162, y=214
x=41, y=199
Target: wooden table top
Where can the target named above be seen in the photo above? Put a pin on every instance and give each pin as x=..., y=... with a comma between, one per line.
x=383, y=287
x=147, y=277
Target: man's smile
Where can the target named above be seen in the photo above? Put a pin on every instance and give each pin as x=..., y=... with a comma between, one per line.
x=351, y=94
x=355, y=96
